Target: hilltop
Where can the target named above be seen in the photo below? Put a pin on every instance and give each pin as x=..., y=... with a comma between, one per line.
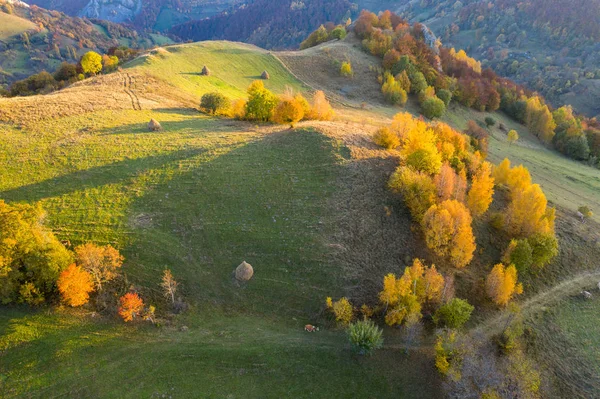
x=33, y=39
x=307, y=207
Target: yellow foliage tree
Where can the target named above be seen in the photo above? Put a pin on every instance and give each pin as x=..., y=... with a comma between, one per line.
x=518, y=179
x=501, y=284
x=75, y=285
x=342, y=309
x=501, y=172
x=404, y=296
x=482, y=190
x=420, y=150
x=528, y=213
x=539, y=120
x=403, y=123
x=448, y=232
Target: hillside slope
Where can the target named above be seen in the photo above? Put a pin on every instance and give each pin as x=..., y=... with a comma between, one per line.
x=308, y=208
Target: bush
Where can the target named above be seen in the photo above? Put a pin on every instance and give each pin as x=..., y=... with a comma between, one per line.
x=321, y=109
x=393, y=92
x=489, y=121
x=289, y=110
x=386, y=138
x=545, y=248
x=520, y=254
x=238, y=109
x=365, y=336
x=445, y=96
x=453, y=314
x=346, y=69
x=66, y=72
x=433, y=107
x=215, y=103
x=418, y=82
x=342, y=309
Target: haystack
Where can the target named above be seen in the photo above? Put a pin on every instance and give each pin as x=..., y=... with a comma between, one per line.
x=244, y=271
x=265, y=75
x=154, y=126
x=205, y=71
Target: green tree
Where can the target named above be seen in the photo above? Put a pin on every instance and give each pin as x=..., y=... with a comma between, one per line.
x=365, y=336
x=453, y=314
x=261, y=102
x=91, y=63
x=339, y=32
x=445, y=96
x=215, y=103
x=433, y=107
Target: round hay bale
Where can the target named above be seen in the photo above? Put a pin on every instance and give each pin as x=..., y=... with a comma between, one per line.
x=154, y=126
x=205, y=71
x=244, y=271
x=265, y=75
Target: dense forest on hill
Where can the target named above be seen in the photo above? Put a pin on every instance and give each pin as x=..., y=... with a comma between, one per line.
x=268, y=24
x=551, y=46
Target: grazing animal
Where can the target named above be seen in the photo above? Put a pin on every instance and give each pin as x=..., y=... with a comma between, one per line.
x=580, y=216
x=310, y=328
x=586, y=294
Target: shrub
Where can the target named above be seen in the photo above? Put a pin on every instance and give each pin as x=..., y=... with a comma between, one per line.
x=453, y=314
x=288, y=111
x=109, y=63
x=215, y=103
x=101, y=262
x=445, y=96
x=418, y=82
x=365, y=336
x=433, y=107
x=346, y=69
x=417, y=188
x=238, y=109
x=544, y=248
x=393, y=92
x=386, y=138
x=512, y=136
x=489, y=121
x=585, y=211
x=66, y=72
x=91, y=63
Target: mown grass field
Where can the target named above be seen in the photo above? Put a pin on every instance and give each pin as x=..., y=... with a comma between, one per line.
x=233, y=67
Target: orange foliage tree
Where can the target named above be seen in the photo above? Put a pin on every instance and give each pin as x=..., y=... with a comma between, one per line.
x=321, y=109
x=528, y=214
x=501, y=284
x=75, y=285
x=482, y=190
x=101, y=262
x=131, y=306
x=288, y=111
x=448, y=232
x=445, y=182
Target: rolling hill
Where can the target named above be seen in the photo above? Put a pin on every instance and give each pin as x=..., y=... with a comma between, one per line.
x=306, y=207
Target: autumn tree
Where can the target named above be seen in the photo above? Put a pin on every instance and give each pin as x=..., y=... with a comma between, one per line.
x=403, y=123
x=31, y=257
x=101, y=262
x=131, y=306
x=261, y=102
x=445, y=182
x=386, y=138
x=420, y=150
x=448, y=232
x=417, y=189
x=512, y=137
x=346, y=69
x=342, y=310
x=501, y=172
x=453, y=314
x=501, y=284
x=528, y=214
x=433, y=107
x=539, y=120
x=169, y=285
x=482, y=190
x=404, y=297
x=215, y=103
x=91, y=63
x=288, y=111
x=321, y=109
x=75, y=285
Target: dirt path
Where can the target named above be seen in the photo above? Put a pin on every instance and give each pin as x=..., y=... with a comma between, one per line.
x=568, y=287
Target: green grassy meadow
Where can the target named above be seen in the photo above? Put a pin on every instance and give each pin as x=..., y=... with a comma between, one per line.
x=198, y=198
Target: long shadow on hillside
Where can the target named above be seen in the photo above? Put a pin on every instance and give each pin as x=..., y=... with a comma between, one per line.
x=94, y=177
x=200, y=124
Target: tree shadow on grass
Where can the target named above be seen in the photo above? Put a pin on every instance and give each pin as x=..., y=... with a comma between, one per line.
x=199, y=123
x=94, y=177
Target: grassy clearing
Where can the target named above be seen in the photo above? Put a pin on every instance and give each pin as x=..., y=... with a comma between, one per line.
x=11, y=25
x=233, y=67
